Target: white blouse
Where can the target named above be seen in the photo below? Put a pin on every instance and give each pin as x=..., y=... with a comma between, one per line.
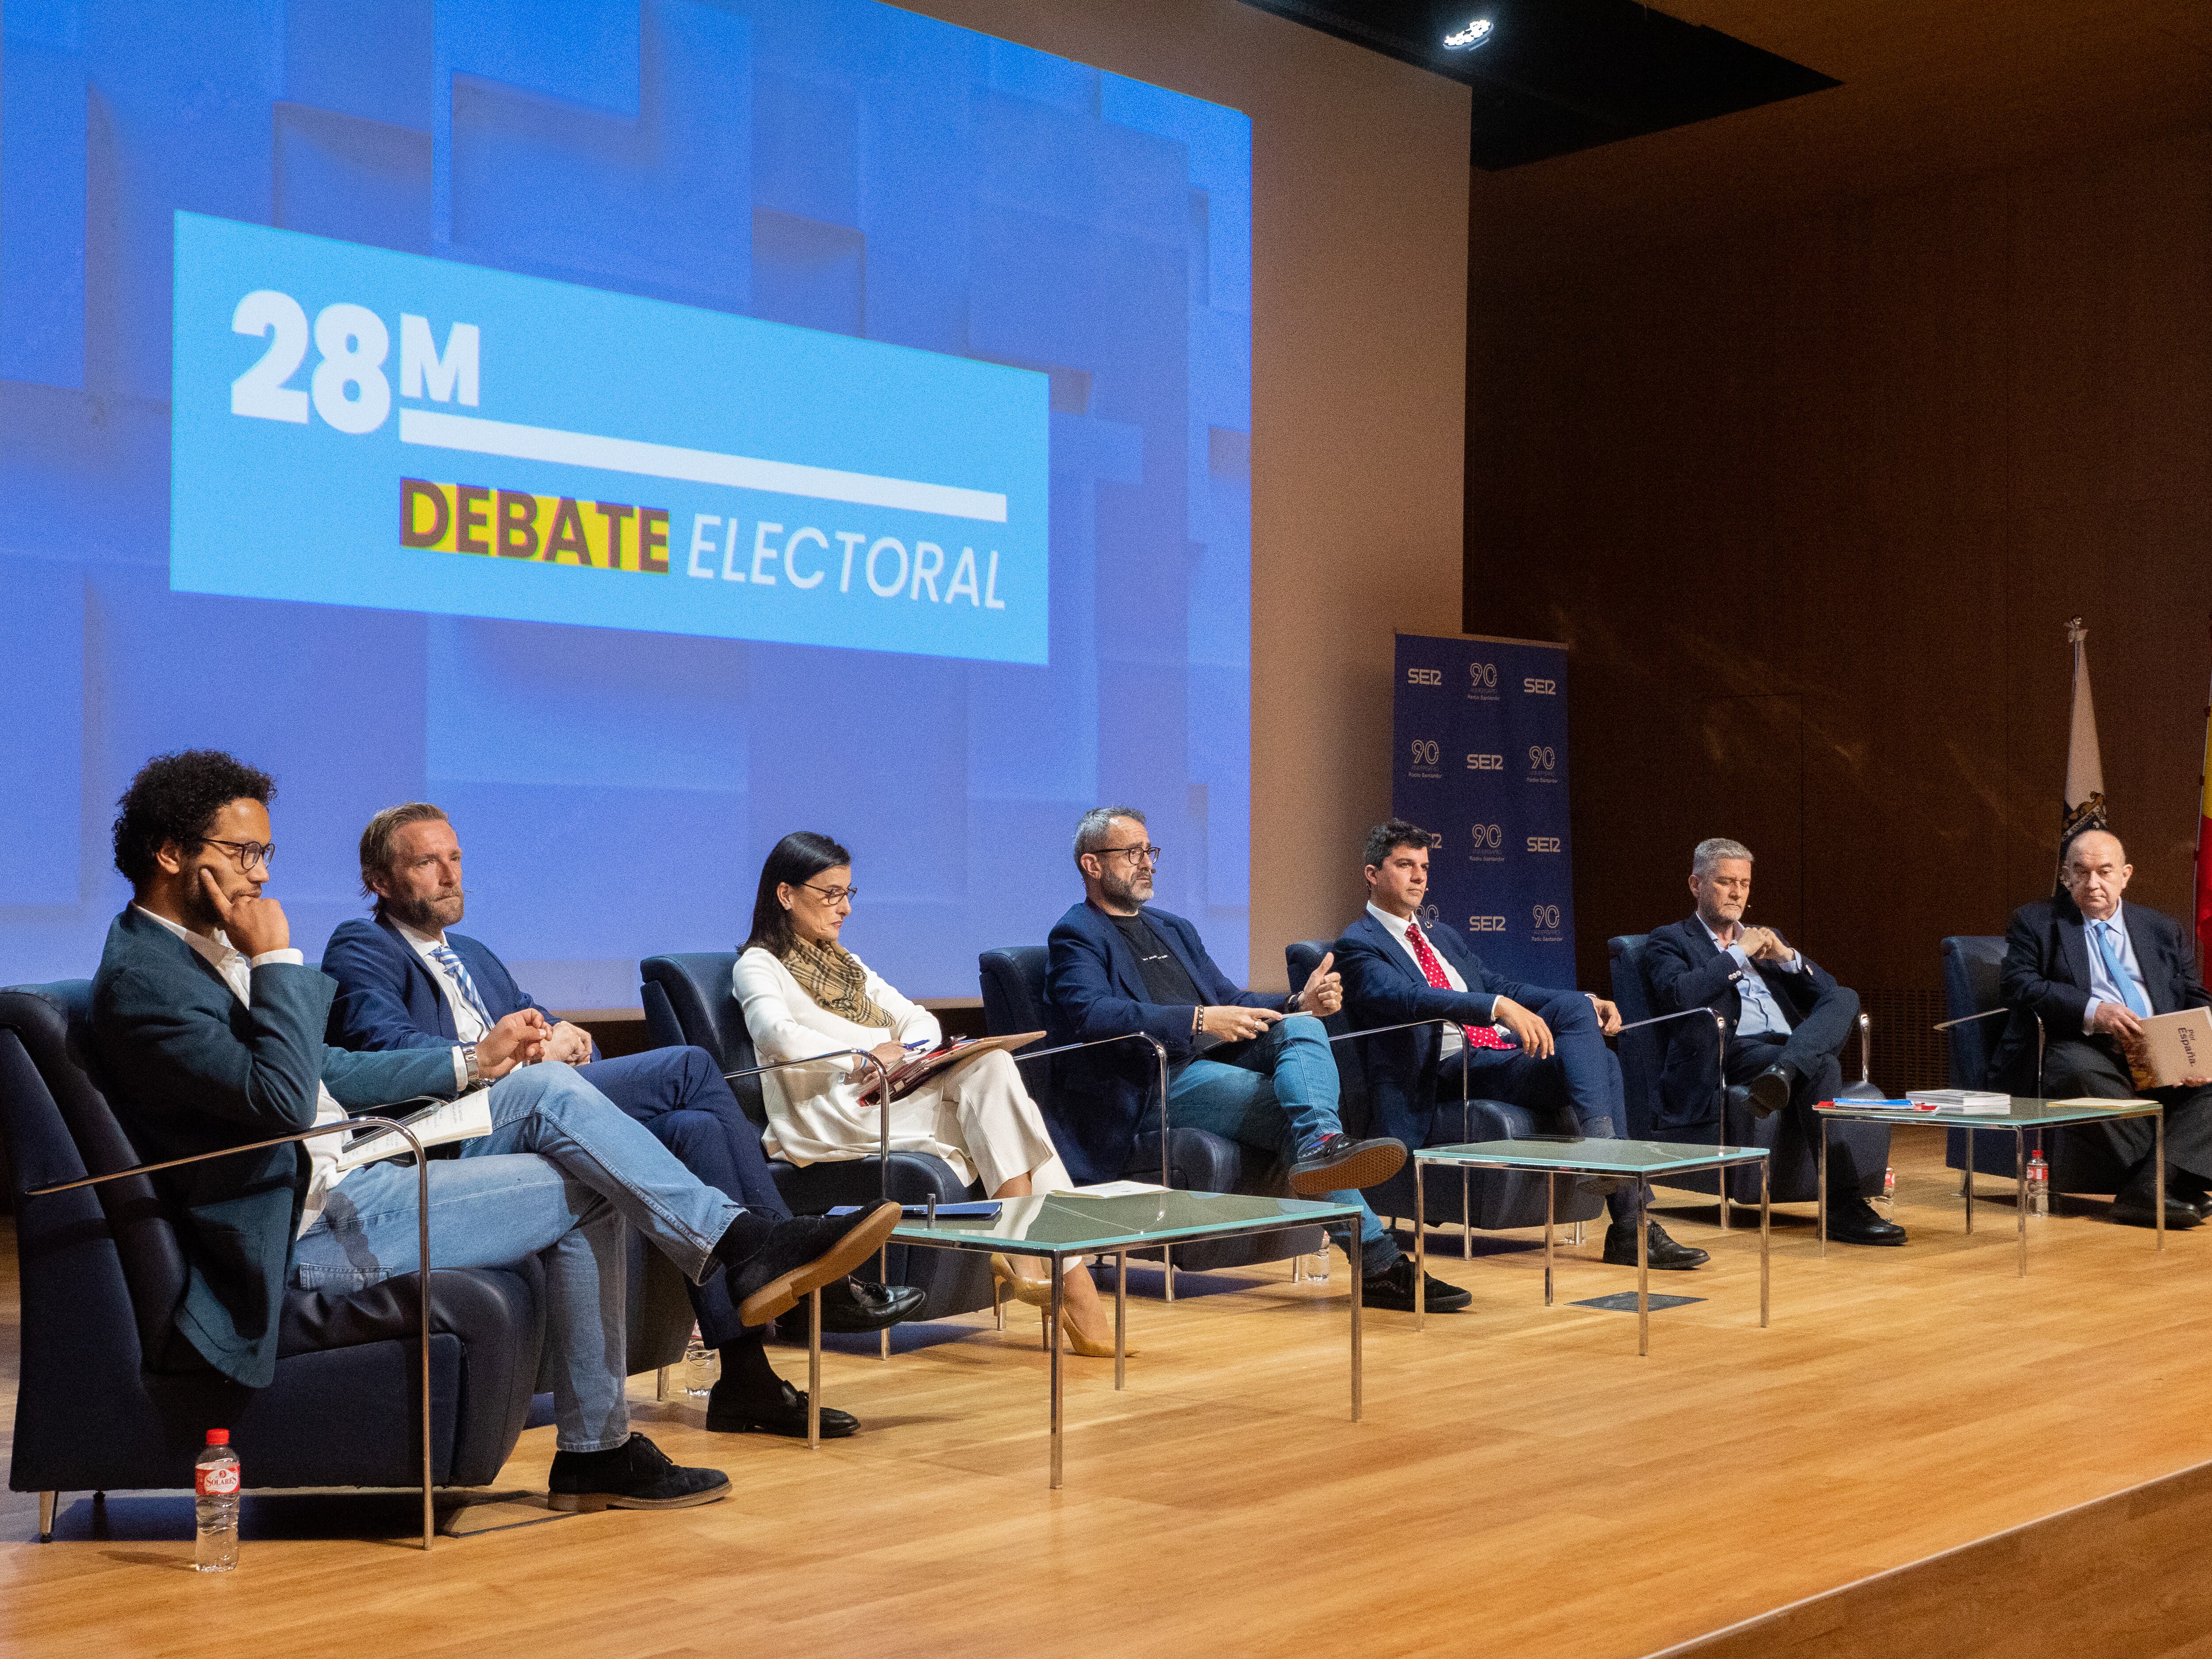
x=814, y=1112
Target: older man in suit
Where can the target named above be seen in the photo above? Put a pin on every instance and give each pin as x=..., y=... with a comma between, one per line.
x=2092, y=969
x=1522, y=1044
x=1251, y=1066
x=1787, y=1020
x=209, y=1035
x=406, y=980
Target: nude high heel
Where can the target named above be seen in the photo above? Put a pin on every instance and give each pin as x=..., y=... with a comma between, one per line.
x=1037, y=1292
x=1077, y=1344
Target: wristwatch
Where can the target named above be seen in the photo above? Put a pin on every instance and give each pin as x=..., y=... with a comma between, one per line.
x=476, y=1071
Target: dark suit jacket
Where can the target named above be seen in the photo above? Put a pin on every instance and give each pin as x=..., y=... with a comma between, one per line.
x=189, y=1069
x=1382, y=987
x=1095, y=987
x=1686, y=970
x=2046, y=974
x=388, y=998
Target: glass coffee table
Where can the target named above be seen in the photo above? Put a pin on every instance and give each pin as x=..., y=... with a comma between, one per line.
x=2021, y=1115
x=1067, y=1226
x=1552, y=1156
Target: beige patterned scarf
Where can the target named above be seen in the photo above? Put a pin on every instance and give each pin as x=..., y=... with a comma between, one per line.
x=833, y=977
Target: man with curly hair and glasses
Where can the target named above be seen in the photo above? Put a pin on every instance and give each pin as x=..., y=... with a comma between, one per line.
x=208, y=1028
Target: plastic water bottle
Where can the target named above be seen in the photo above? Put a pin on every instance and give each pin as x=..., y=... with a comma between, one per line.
x=214, y=1505
x=1889, y=1190
x=2039, y=1184
x=702, y=1366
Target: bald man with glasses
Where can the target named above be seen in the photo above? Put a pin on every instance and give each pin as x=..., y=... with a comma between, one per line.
x=1251, y=1066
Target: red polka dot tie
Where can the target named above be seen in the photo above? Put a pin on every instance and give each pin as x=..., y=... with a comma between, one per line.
x=1478, y=1036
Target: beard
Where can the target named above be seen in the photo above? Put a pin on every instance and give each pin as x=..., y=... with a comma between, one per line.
x=1122, y=890
x=427, y=915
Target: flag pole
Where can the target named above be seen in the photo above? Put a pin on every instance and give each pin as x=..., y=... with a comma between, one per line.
x=2202, y=920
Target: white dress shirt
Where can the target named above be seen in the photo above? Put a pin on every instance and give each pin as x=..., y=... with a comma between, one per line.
x=238, y=974
x=1449, y=1042
x=2103, y=988
x=468, y=1024
x=1762, y=1015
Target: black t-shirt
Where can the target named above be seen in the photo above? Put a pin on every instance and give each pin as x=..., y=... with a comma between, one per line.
x=1166, y=980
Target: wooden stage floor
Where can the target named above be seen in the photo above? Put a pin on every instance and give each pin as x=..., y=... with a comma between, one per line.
x=1524, y=1483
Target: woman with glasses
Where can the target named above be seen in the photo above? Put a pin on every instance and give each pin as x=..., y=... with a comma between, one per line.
x=804, y=994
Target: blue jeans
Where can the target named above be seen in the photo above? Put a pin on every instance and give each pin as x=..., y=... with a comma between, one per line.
x=679, y=1096
x=560, y=1176
x=1276, y=1094
x=1581, y=1081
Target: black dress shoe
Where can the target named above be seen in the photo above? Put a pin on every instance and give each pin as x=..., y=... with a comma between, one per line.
x=771, y=1271
x=1763, y=1095
x=2136, y=1210
x=783, y=1412
x=855, y=1305
x=1339, y=1163
x=635, y=1475
x=1852, y=1220
x=1393, y=1288
x=1662, y=1254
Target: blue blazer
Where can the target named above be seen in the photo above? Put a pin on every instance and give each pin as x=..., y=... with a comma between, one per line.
x=1382, y=987
x=189, y=1069
x=1094, y=987
x=388, y=998
x=1685, y=969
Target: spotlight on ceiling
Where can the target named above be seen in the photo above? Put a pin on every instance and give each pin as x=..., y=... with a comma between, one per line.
x=1476, y=33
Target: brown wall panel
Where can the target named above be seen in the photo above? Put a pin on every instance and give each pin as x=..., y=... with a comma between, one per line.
x=1811, y=498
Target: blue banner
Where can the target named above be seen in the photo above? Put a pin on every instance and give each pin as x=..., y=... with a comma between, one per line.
x=354, y=426
x=1481, y=764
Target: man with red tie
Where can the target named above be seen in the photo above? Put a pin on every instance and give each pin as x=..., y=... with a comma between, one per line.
x=1542, y=1050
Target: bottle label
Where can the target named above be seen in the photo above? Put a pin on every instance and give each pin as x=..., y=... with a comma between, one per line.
x=220, y=1481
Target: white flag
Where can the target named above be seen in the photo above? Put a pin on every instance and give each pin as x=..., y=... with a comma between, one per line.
x=2085, y=769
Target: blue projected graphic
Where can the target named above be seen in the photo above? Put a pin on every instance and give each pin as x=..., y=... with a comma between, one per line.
x=785, y=319
x=288, y=484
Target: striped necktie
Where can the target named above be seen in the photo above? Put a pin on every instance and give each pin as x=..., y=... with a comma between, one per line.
x=1478, y=1036
x=442, y=954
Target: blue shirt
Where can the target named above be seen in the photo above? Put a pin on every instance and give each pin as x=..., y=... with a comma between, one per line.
x=1762, y=1015
x=2103, y=988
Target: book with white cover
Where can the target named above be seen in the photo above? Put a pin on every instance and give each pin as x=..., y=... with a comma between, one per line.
x=2175, y=1047
x=457, y=1120
x=1973, y=1102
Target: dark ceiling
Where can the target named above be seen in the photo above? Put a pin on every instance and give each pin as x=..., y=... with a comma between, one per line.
x=1549, y=77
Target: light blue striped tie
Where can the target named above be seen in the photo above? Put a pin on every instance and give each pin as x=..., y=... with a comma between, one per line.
x=443, y=955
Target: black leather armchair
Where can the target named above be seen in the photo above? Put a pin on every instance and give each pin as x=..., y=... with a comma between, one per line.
x=1793, y=1162
x=1492, y=1199
x=1013, y=983
x=690, y=999
x=111, y=1396
x=2079, y=1162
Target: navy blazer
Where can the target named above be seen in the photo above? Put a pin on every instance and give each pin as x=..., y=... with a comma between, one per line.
x=1685, y=969
x=388, y=998
x=189, y=1068
x=1382, y=986
x=2046, y=973
x=1095, y=987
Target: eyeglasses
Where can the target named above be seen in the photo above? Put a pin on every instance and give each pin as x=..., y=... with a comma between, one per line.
x=1136, y=855
x=248, y=853
x=832, y=895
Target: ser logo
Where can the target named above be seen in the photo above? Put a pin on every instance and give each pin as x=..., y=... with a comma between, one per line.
x=1546, y=917
x=1485, y=924
x=1485, y=762
x=1424, y=677
x=1536, y=688
x=1543, y=843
